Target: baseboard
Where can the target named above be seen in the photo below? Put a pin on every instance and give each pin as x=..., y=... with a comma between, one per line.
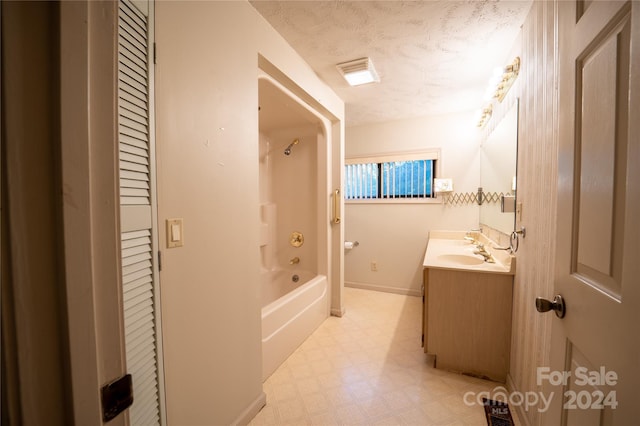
x=250, y=412
x=338, y=312
x=523, y=420
x=385, y=289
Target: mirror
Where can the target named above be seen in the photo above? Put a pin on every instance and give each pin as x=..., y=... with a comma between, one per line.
x=498, y=159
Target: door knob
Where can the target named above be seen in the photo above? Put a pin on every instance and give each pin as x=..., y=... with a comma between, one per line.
x=558, y=306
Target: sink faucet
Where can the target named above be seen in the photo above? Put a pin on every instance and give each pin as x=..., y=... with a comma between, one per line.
x=484, y=253
x=470, y=237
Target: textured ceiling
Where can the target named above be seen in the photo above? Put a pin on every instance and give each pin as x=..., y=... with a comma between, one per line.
x=433, y=57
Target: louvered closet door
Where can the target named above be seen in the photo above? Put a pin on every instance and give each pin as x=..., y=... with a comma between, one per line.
x=137, y=193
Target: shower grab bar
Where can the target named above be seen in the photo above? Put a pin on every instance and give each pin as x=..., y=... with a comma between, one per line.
x=336, y=206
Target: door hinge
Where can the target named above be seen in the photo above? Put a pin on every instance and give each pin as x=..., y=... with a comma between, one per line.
x=154, y=53
x=159, y=261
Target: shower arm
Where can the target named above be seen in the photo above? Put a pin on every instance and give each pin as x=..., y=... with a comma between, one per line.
x=287, y=150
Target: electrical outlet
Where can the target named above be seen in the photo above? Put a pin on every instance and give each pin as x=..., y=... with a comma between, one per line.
x=374, y=266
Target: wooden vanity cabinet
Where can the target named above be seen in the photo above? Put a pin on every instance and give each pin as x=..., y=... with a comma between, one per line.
x=467, y=321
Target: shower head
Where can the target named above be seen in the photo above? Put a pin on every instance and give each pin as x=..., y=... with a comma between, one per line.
x=287, y=150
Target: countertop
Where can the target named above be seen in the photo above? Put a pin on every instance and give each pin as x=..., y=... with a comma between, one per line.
x=443, y=244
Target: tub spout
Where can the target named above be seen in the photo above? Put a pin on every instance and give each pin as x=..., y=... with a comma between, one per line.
x=294, y=261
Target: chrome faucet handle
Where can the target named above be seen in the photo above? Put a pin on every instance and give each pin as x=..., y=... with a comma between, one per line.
x=485, y=254
x=509, y=249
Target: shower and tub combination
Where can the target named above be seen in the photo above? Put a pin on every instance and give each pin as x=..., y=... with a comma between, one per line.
x=294, y=235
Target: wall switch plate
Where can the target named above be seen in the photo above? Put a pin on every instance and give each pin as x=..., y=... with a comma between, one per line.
x=519, y=211
x=374, y=266
x=175, y=233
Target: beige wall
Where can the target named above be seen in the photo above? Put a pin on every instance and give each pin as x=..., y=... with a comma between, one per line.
x=395, y=234
x=207, y=145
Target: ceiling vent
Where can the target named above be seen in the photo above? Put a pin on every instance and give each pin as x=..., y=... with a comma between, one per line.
x=359, y=71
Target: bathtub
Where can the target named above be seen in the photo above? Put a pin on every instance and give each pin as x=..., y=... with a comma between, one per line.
x=290, y=319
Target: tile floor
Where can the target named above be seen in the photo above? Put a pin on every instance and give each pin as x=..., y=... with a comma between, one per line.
x=368, y=368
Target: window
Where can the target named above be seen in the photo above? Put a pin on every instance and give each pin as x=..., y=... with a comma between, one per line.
x=402, y=176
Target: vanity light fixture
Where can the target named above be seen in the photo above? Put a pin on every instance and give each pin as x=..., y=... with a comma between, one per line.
x=498, y=87
x=484, y=116
x=359, y=71
x=509, y=75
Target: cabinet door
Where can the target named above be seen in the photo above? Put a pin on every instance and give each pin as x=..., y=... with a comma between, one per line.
x=468, y=322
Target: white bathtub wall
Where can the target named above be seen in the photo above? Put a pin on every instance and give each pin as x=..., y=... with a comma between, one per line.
x=394, y=235
x=268, y=218
x=267, y=209
x=264, y=147
x=294, y=191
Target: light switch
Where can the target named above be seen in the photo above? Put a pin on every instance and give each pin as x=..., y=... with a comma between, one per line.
x=174, y=233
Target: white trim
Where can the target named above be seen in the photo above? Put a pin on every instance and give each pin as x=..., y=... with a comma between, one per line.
x=427, y=154
x=88, y=117
x=251, y=411
x=338, y=312
x=519, y=411
x=384, y=289
x=155, y=241
x=430, y=200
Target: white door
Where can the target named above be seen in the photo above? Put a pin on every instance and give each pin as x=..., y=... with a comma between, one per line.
x=138, y=211
x=598, y=231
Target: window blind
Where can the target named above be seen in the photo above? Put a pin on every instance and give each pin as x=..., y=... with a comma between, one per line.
x=397, y=176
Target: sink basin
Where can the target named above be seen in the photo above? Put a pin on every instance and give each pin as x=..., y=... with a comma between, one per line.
x=449, y=250
x=461, y=259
